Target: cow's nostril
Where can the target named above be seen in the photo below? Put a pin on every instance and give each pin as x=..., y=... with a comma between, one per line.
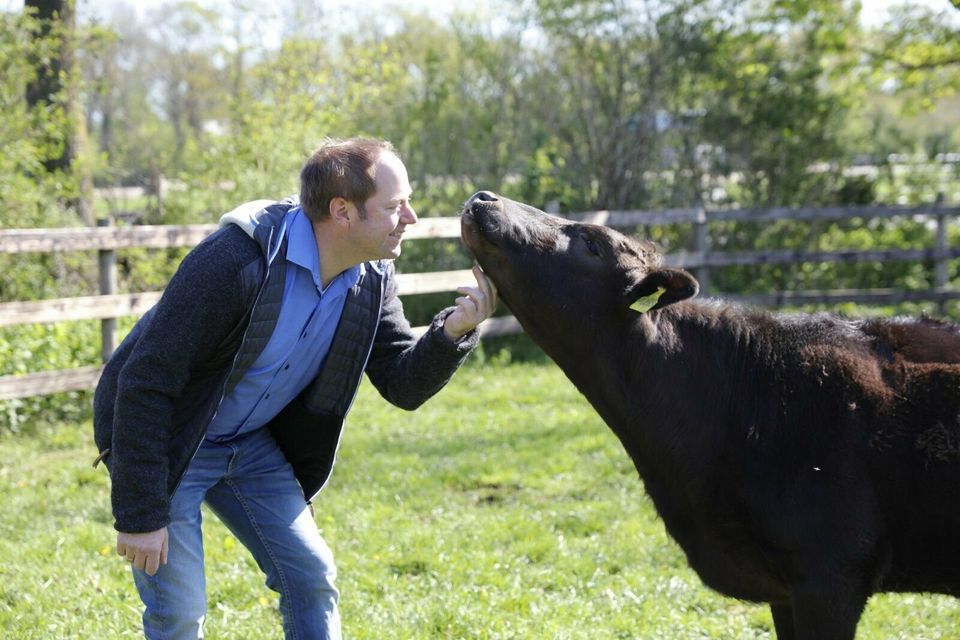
x=482, y=196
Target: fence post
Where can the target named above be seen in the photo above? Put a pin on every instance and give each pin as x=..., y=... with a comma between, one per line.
x=107, y=259
x=940, y=274
x=701, y=245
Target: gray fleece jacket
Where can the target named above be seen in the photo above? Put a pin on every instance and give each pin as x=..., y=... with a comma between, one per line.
x=161, y=388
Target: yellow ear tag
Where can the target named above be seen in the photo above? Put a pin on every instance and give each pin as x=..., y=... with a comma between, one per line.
x=646, y=303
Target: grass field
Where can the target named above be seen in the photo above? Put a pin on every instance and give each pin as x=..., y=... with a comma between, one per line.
x=503, y=508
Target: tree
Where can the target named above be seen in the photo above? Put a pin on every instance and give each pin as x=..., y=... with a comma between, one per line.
x=28, y=134
x=57, y=84
x=773, y=108
x=610, y=72
x=190, y=81
x=46, y=87
x=919, y=50
x=453, y=96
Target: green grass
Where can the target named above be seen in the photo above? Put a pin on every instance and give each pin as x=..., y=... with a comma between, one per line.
x=503, y=508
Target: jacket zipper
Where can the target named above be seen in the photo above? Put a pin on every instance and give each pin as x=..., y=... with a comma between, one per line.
x=233, y=365
x=356, y=391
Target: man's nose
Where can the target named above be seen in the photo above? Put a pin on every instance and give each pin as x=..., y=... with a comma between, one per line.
x=409, y=215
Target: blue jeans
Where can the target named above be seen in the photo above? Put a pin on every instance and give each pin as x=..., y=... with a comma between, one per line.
x=250, y=485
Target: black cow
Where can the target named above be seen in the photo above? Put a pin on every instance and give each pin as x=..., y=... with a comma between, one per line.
x=806, y=461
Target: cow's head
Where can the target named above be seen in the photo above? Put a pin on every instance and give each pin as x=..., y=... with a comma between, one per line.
x=565, y=279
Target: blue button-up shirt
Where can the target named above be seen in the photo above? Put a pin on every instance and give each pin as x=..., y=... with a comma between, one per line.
x=292, y=358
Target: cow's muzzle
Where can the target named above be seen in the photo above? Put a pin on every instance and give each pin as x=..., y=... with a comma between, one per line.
x=482, y=218
x=482, y=197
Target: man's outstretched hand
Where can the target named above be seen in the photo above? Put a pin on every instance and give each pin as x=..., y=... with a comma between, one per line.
x=474, y=305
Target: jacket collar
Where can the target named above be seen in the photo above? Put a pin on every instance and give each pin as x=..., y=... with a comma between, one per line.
x=264, y=221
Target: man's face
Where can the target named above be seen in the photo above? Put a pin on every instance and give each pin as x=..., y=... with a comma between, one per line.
x=388, y=211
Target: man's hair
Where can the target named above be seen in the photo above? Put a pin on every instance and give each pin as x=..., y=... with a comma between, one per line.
x=340, y=169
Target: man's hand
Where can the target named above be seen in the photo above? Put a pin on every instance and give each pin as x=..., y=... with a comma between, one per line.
x=474, y=305
x=147, y=551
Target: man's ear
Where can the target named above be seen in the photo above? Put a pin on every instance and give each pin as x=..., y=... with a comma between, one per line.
x=340, y=210
x=660, y=288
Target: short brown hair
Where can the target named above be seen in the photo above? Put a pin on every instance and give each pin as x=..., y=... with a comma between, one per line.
x=340, y=169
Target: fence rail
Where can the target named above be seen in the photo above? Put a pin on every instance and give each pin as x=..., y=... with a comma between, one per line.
x=110, y=305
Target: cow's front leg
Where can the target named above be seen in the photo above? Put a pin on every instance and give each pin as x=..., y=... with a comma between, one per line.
x=825, y=612
x=783, y=620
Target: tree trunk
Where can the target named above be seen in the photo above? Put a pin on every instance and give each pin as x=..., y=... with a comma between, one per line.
x=47, y=85
x=48, y=88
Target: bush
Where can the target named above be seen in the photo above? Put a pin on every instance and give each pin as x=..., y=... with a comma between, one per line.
x=34, y=348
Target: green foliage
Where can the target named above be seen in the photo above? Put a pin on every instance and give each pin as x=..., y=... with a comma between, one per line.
x=912, y=182
x=28, y=136
x=922, y=47
x=912, y=77
x=503, y=508
x=546, y=181
x=34, y=347
x=47, y=275
x=850, y=235
x=773, y=113
x=586, y=103
x=608, y=94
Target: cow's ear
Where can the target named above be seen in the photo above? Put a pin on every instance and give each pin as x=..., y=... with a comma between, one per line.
x=660, y=288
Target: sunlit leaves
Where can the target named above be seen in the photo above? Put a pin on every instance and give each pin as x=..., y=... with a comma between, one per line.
x=919, y=53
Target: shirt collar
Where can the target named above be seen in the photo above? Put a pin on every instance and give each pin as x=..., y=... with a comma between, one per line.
x=302, y=251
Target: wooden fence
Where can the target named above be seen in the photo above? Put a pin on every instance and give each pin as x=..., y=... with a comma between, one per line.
x=110, y=305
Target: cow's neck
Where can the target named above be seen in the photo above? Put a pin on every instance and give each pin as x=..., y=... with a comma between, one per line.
x=599, y=379
x=638, y=379
x=637, y=375
x=698, y=390
x=596, y=368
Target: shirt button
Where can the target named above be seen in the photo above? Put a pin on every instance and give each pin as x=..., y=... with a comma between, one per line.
x=286, y=367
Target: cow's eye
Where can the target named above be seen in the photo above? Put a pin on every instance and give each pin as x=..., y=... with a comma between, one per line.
x=591, y=245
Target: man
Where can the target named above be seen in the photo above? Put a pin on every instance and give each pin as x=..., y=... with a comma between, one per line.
x=234, y=387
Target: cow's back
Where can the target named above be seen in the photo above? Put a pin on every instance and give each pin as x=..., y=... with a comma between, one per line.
x=919, y=341
x=832, y=422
